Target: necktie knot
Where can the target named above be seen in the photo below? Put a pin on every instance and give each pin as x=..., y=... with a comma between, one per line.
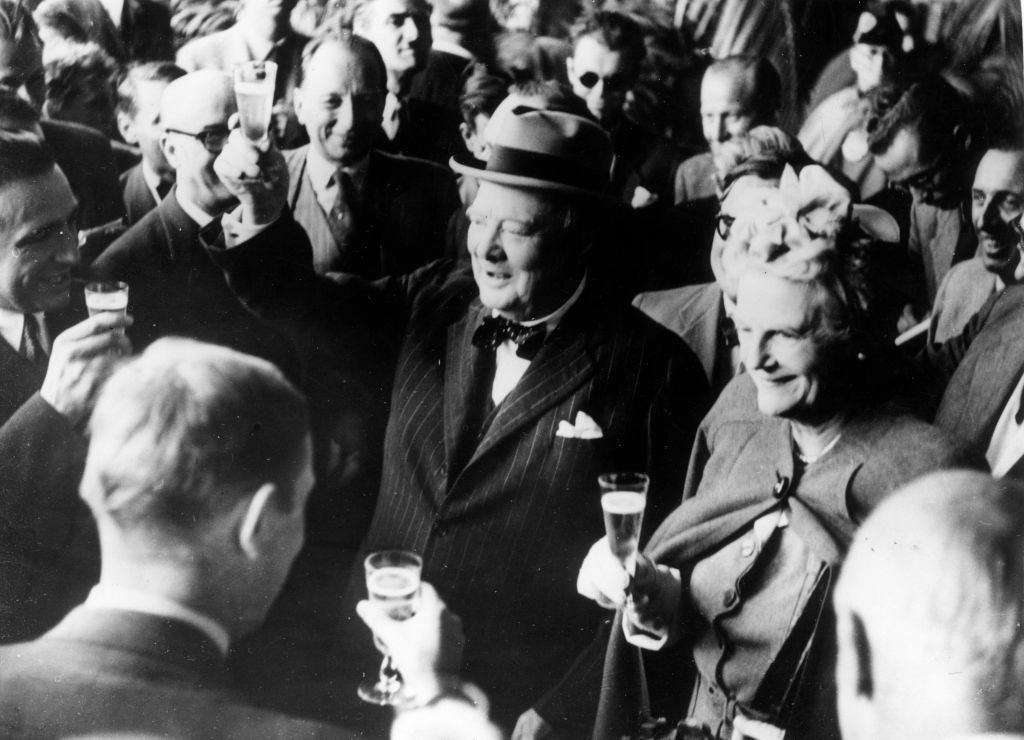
x=496, y=330
x=728, y=329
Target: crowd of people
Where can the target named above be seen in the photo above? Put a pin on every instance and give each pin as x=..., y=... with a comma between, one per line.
x=486, y=253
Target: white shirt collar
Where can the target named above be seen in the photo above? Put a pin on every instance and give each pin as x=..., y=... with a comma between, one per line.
x=551, y=320
x=729, y=305
x=321, y=170
x=12, y=326
x=115, y=8
x=104, y=596
x=152, y=180
x=193, y=211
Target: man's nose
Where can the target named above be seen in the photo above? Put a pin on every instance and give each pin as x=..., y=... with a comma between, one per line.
x=487, y=243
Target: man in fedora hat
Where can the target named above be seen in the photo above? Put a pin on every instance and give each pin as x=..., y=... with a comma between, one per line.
x=516, y=382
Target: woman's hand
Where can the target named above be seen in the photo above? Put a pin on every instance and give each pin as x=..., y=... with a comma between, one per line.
x=602, y=577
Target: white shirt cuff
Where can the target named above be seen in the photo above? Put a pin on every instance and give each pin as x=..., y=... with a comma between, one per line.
x=236, y=232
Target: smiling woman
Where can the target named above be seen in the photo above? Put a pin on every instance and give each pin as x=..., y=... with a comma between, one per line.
x=735, y=584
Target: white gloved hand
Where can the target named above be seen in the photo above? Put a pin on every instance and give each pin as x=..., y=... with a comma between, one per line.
x=602, y=577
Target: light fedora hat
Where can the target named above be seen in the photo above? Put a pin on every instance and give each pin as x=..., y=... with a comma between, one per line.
x=544, y=150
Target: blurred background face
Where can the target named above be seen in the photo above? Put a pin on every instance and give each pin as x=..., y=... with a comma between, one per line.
x=340, y=104
x=997, y=201
x=144, y=128
x=775, y=322
x=400, y=29
x=473, y=136
x=38, y=243
x=725, y=108
x=930, y=174
x=729, y=246
x=21, y=70
x=600, y=77
x=91, y=106
x=277, y=11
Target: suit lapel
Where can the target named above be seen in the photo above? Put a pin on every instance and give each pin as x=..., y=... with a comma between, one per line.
x=464, y=372
x=563, y=364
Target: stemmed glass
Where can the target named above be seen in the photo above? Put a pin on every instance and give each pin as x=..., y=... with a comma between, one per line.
x=392, y=580
x=254, y=94
x=623, y=500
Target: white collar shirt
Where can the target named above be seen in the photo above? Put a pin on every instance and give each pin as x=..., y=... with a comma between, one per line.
x=510, y=367
x=104, y=596
x=12, y=326
x=1006, y=446
x=322, y=176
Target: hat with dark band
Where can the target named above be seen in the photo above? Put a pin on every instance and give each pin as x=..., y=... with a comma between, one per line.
x=544, y=150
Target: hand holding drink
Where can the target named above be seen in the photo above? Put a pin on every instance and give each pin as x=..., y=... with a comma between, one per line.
x=393, y=584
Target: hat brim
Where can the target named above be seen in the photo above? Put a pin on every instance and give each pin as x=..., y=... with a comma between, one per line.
x=467, y=164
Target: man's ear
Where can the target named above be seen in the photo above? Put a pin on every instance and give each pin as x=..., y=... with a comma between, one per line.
x=169, y=149
x=126, y=127
x=467, y=135
x=297, y=105
x=860, y=658
x=254, y=520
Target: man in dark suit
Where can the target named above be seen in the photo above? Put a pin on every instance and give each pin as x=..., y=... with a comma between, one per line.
x=516, y=383
x=262, y=32
x=608, y=49
x=198, y=471
x=84, y=155
x=400, y=29
x=51, y=366
x=366, y=212
x=174, y=288
x=138, y=119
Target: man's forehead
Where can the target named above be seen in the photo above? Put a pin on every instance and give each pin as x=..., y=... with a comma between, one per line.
x=341, y=69
x=382, y=8
x=191, y=104
x=1001, y=170
x=514, y=203
x=721, y=87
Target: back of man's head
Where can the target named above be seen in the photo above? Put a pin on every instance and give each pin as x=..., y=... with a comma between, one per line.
x=930, y=607
x=185, y=432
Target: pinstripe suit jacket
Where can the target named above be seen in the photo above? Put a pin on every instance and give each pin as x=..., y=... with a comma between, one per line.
x=502, y=535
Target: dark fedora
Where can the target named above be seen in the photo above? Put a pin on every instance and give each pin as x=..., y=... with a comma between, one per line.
x=543, y=150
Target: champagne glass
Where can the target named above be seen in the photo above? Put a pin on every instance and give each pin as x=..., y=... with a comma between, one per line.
x=254, y=93
x=392, y=580
x=623, y=499
x=109, y=296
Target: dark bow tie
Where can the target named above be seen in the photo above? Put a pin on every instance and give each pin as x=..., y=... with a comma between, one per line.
x=496, y=330
x=728, y=329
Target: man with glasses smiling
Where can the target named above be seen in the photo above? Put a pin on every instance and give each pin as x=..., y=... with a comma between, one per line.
x=921, y=139
x=607, y=51
x=174, y=288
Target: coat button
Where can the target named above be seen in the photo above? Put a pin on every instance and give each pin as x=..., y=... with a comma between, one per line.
x=729, y=598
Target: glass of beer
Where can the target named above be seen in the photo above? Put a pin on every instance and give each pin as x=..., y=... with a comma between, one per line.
x=254, y=93
x=623, y=499
x=392, y=580
x=107, y=296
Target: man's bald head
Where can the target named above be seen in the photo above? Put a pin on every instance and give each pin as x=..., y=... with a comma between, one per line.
x=194, y=113
x=341, y=98
x=930, y=607
x=207, y=93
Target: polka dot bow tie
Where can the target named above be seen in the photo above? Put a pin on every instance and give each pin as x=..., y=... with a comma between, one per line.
x=496, y=330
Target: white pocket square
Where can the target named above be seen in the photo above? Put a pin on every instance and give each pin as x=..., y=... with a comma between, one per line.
x=585, y=428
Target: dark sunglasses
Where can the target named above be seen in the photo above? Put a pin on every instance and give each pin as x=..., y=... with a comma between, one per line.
x=614, y=83
x=212, y=139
